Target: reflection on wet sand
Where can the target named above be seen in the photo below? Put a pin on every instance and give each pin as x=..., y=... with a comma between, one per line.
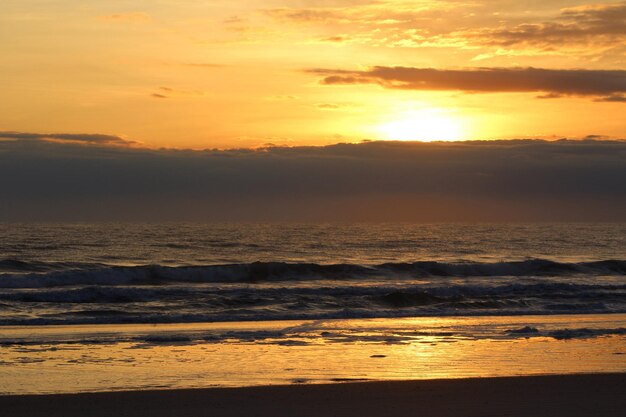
x=55, y=359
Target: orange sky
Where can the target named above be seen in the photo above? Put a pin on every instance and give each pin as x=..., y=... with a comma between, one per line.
x=234, y=73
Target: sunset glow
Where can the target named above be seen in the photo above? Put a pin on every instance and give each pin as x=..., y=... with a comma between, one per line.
x=426, y=126
x=312, y=208
x=188, y=74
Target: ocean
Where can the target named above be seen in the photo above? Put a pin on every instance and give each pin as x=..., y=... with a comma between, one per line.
x=179, y=273
x=133, y=306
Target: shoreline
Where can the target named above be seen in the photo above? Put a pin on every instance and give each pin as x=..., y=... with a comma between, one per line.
x=597, y=394
x=173, y=324
x=117, y=358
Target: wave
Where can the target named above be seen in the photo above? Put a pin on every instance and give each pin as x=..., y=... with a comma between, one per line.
x=390, y=296
x=309, y=333
x=97, y=293
x=193, y=303
x=20, y=266
x=29, y=274
x=91, y=317
x=568, y=333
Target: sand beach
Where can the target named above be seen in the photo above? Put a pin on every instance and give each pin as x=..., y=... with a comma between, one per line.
x=595, y=395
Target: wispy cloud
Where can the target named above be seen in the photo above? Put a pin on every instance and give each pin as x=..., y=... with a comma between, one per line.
x=169, y=92
x=613, y=98
x=585, y=26
x=208, y=65
x=587, y=30
x=133, y=17
x=81, y=138
x=328, y=106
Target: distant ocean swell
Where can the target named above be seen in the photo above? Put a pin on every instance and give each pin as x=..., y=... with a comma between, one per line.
x=95, y=293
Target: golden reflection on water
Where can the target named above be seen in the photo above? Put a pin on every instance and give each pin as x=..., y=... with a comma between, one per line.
x=90, y=359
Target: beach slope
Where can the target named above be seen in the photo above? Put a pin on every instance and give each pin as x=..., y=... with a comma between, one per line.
x=559, y=395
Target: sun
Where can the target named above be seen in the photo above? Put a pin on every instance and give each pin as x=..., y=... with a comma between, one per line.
x=424, y=125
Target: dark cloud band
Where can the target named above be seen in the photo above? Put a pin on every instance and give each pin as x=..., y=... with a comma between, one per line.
x=522, y=180
x=577, y=82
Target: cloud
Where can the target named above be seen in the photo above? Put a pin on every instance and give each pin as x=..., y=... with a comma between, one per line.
x=613, y=98
x=335, y=39
x=282, y=97
x=596, y=137
x=133, y=17
x=82, y=138
x=549, y=96
x=520, y=180
x=207, y=65
x=589, y=24
x=595, y=30
x=609, y=84
x=360, y=15
x=169, y=92
x=328, y=106
x=305, y=15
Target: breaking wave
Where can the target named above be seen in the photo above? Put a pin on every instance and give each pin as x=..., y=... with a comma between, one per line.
x=21, y=274
x=83, y=293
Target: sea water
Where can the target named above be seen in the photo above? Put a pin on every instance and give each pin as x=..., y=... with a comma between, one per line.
x=91, y=302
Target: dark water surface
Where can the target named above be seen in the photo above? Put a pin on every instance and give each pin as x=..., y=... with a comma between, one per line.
x=176, y=273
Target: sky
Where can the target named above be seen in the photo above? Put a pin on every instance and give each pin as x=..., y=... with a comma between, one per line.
x=312, y=110
x=232, y=74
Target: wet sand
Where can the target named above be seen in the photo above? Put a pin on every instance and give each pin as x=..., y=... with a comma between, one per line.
x=534, y=396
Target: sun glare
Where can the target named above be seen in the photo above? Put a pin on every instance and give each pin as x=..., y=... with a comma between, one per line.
x=424, y=125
